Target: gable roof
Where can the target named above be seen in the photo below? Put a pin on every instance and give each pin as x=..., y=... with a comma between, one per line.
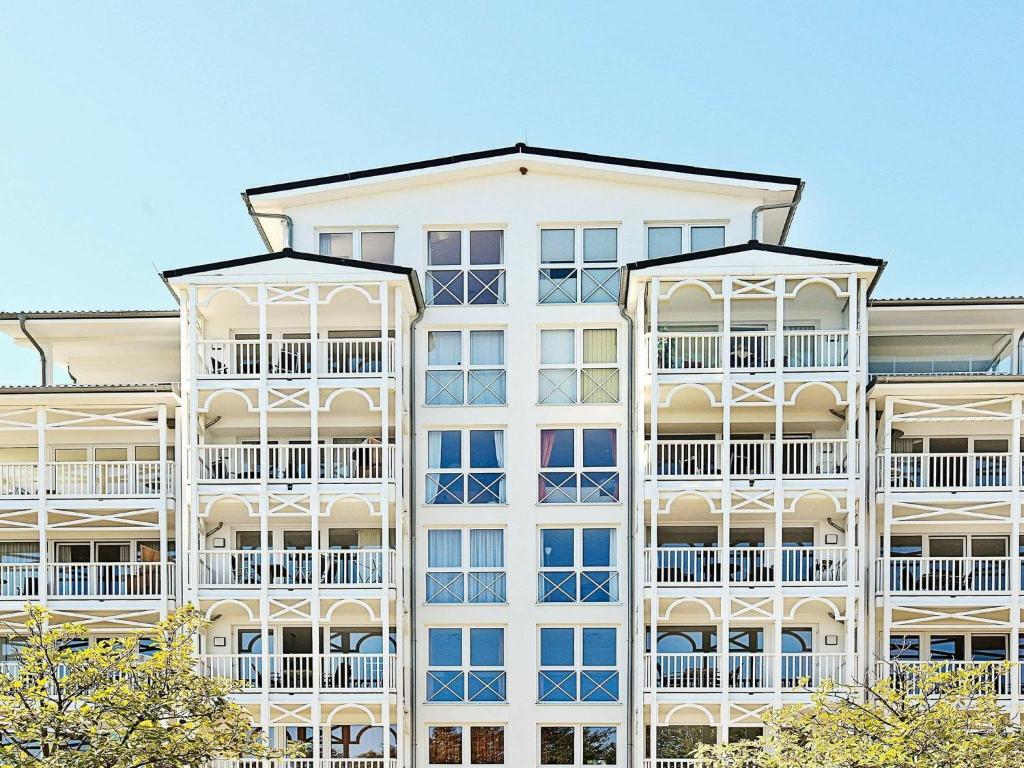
x=288, y=253
x=525, y=149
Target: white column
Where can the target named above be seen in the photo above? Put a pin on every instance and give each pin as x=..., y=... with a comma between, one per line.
x=315, y=457
x=778, y=605
x=264, y=507
x=655, y=511
x=886, y=528
x=385, y=590
x=164, y=475
x=853, y=522
x=1016, y=413
x=725, y=462
x=42, y=516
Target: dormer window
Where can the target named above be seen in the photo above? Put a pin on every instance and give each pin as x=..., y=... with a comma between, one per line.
x=374, y=247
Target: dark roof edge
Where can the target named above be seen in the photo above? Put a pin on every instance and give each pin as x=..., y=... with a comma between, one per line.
x=521, y=148
x=91, y=315
x=949, y=302
x=81, y=389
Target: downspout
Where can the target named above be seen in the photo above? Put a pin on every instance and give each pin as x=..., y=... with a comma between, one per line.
x=755, y=214
x=256, y=216
x=39, y=349
x=412, y=535
x=630, y=501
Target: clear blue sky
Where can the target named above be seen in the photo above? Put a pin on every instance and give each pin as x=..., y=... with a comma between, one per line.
x=128, y=129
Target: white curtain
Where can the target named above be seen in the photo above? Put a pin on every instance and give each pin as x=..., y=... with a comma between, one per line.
x=558, y=347
x=486, y=548
x=444, y=348
x=434, y=449
x=369, y=538
x=487, y=348
x=499, y=447
x=444, y=549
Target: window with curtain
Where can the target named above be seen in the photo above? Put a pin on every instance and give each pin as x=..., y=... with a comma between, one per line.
x=578, y=664
x=465, y=267
x=578, y=565
x=669, y=240
x=578, y=366
x=578, y=745
x=465, y=367
x=476, y=460
x=465, y=664
x=579, y=265
x=578, y=466
x=374, y=247
x=473, y=576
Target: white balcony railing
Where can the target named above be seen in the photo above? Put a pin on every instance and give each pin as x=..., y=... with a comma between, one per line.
x=338, y=567
x=79, y=479
x=752, y=350
x=294, y=358
x=699, y=459
x=671, y=762
x=361, y=462
x=338, y=672
x=993, y=673
x=946, y=575
x=945, y=471
x=690, y=566
x=310, y=762
x=19, y=580
x=104, y=580
x=744, y=671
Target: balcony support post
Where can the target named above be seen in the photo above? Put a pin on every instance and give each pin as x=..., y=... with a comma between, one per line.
x=869, y=542
x=887, y=418
x=43, y=578
x=385, y=589
x=1016, y=415
x=319, y=663
x=725, y=462
x=853, y=509
x=162, y=474
x=777, y=460
x=655, y=511
x=263, y=362
x=190, y=516
x=389, y=470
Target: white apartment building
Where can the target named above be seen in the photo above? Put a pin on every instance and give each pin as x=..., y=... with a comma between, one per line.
x=526, y=457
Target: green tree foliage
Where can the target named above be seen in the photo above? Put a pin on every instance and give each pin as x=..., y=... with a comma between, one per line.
x=110, y=705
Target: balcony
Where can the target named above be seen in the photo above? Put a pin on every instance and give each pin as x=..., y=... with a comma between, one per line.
x=752, y=351
x=87, y=580
x=948, y=471
x=294, y=358
x=946, y=575
x=702, y=459
x=87, y=479
x=747, y=566
x=358, y=463
x=354, y=568
x=993, y=673
x=294, y=672
x=742, y=672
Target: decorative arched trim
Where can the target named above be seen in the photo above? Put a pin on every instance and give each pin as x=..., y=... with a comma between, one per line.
x=838, y=614
x=690, y=385
x=360, y=707
x=349, y=287
x=351, y=601
x=827, y=281
x=680, y=601
x=815, y=492
x=699, y=494
x=208, y=507
x=370, y=508
x=231, y=601
x=248, y=401
x=688, y=282
x=667, y=720
x=824, y=384
x=362, y=393
x=228, y=289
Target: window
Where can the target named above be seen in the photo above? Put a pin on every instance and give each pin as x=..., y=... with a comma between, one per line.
x=451, y=479
x=464, y=267
x=577, y=565
x=446, y=745
x=572, y=745
x=668, y=241
x=375, y=247
x=577, y=664
x=448, y=578
x=360, y=741
x=578, y=366
x=580, y=266
x=466, y=664
x=466, y=367
x=578, y=465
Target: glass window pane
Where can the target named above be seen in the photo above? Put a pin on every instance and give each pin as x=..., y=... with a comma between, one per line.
x=598, y=547
x=486, y=386
x=599, y=345
x=556, y=648
x=664, y=241
x=600, y=244
x=445, y=647
x=556, y=385
x=487, y=347
x=336, y=244
x=599, y=448
x=556, y=547
x=444, y=388
x=557, y=286
x=487, y=745
x=706, y=238
x=557, y=246
x=599, y=745
x=444, y=549
x=557, y=745
x=486, y=548
x=378, y=247
x=486, y=448
x=556, y=447
x=444, y=449
x=599, y=647
x=558, y=347
x=600, y=286
x=444, y=348
x=444, y=248
x=445, y=287
x=445, y=745
x=486, y=286
x=485, y=246
x=487, y=647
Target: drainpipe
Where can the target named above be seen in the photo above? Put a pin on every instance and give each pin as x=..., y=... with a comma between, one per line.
x=256, y=216
x=39, y=349
x=413, y=693
x=755, y=214
x=630, y=502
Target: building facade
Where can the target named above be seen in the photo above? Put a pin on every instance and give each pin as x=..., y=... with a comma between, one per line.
x=526, y=457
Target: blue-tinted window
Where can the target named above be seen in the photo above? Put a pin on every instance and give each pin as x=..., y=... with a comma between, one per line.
x=487, y=647
x=599, y=448
x=556, y=448
x=599, y=647
x=598, y=547
x=556, y=647
x=557, y=547
x=486, y=448
x=446, y=647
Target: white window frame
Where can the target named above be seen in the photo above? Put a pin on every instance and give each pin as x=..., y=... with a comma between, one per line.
x=467, y=368
x=577, y=750
x=497, y=287
x=577, y=469
x=578, y=265
x=578, y=668
x=498, y=486
x=578, y=368
x=466, y=741
x=357, y=239
x=578, y=569
x=686, y=236
x=466, y=669
x=494, y=578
